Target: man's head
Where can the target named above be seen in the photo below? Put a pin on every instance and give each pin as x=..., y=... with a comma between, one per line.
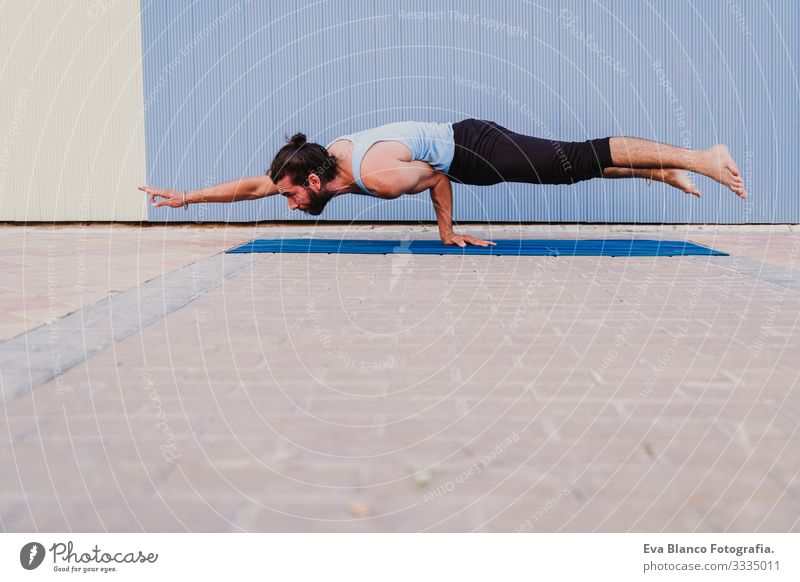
x=301, y=171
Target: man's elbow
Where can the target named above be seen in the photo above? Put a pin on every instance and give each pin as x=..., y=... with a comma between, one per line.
x=259, y=187
x=438, y=183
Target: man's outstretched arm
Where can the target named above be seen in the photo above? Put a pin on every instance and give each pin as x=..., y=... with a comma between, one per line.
x=249, y=188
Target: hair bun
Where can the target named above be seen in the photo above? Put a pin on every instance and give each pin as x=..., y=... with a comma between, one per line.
x=298, y=139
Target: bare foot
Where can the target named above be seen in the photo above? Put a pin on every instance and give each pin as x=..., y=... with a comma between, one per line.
x=679, y=179
x=716, y=163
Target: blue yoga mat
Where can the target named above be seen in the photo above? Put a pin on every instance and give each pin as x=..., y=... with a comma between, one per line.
x=545, y=247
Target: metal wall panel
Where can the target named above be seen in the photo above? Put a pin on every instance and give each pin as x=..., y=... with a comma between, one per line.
x=225, y=81
x=71, y=123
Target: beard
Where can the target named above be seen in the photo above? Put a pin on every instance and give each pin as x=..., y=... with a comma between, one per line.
x=317, y=201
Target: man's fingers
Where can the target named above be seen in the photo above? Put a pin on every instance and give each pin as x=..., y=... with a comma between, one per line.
x=478, y=242
x=464, y=240
x=158, y=197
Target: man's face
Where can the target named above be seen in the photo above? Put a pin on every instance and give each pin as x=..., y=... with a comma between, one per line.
x=311, y=199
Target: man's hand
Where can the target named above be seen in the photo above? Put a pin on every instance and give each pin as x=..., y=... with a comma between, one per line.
x=463, y=240
x=171, y=198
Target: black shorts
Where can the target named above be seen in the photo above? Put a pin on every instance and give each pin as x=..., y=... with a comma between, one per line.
x=487, y=153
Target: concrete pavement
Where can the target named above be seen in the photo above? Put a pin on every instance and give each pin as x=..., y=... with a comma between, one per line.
x=412, y=393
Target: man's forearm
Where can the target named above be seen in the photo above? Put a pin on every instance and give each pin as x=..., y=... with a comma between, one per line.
x=249, y=188
x=442, y=198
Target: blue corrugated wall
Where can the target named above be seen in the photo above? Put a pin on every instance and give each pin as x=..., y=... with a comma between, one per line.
x=225, y=81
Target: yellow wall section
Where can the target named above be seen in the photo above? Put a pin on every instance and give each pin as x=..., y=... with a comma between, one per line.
x=71, y=101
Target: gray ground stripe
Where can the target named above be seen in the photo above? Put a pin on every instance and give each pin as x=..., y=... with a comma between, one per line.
x=758, y=270
x=38, y=356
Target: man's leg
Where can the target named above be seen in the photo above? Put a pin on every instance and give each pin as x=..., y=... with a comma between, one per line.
x=715, y=162
x=487, y=153
x=679, y=179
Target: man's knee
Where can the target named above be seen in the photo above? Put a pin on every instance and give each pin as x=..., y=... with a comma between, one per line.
x=587, y=159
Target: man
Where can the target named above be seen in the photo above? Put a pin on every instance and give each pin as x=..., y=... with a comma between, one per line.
x=411, y=157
